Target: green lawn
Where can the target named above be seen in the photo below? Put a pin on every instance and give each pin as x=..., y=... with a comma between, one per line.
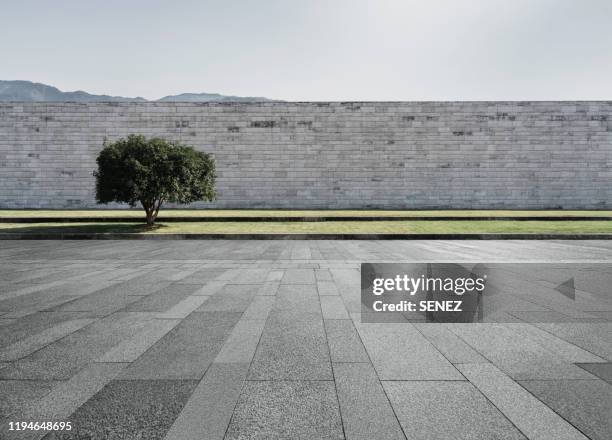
x=304, y=213
x=331, y=227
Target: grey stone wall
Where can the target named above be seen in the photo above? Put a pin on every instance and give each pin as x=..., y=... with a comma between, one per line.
x=328, y=155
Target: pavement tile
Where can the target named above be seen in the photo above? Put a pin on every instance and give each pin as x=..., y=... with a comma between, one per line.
x=299, y=276
x=447, y=410
x=269, y=288
x=592, y=337
x=131, y=409
x=344, y=342
x=275, y=275
x=298, y=298
x=183, y=308
x=35, y=342
x=63, y=358
x=210, y=288
x=67, y=396
x=536, y=420
x=260, y=307
x=17, y=394
x=517, y=355
x=231, y=298
x=450, y=345
x=187, y=350
x=36, y=323
x=132, y=348
x=327, y=288
x=366, y=411
x=292, y=347
x=241, y=344
x=401, y=352
x=163, y=299
x=323, y=275
x=601, y=370
x=332, y=307
x=207, y=413
x=584, y=403
x=286, y=410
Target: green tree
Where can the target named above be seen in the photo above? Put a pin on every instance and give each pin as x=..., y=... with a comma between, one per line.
x=152, y=172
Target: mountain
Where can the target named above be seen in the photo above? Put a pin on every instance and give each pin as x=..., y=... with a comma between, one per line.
x=210, y=97
x=29, y=91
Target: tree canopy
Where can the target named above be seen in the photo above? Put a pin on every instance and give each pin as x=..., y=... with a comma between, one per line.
x=152, y=172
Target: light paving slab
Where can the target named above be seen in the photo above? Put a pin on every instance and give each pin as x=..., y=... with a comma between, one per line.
x=298, y=276
x=260, y=307
x=536, y=420
x=183, y=308
x=332, y=307
x=450, y=345
x=344, y=342
x=366, y=411
x=131, y=349
x=327, y=288
x=241, y=344
x=601, y=370
x=450, y=410
x=401, y=352
x=208, y=411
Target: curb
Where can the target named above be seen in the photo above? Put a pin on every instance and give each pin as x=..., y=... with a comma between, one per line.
x=128, y=236
x=293, y=219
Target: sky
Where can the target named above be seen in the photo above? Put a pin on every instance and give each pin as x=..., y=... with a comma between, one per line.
x=314, y=50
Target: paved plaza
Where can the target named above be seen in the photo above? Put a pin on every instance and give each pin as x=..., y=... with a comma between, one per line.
x=232, y=339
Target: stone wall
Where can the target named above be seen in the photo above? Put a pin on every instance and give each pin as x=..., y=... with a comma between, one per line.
x=328, y=155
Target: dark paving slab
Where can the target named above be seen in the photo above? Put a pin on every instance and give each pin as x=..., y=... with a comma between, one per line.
x=586, y=404
x=131, y=409
x=17, y=394
x=602, y=370
x=35, y=323
x=447, y=410
x=366, y=411
x=292, y=347
x=163, y=299
x=286, y=410
x=187, y=350
x=62, y=359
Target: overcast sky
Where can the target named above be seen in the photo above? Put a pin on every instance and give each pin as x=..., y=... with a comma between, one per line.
x=314, y=49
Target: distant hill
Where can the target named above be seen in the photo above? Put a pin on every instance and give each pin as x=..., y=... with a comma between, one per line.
x=27, y=91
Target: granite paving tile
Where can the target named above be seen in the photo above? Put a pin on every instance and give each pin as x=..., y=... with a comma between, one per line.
x=332, y=307
x=269, y=288
x=401, y=352
x=327, y=288
x=585, y=404
x=299, y=276
x=292, y=347
x=131, y=409
x=16, y=394
x=592, y=337
x=260, y=307
x=298, y=298
x=536, y=420
x=35, y=342
x=450, y=345
x=344, y=342
x=163, y=299
x=132, y=348
x=35, y=323
x=447, y=410
x=241, y=344
x=601, y=370
x=323, y=275
x=184, y=307
x=63, y=358
x=231, y=298
x=518, y=356
x=366, y=411
x=187, y=350
x=286, y=410
x=207, y=413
